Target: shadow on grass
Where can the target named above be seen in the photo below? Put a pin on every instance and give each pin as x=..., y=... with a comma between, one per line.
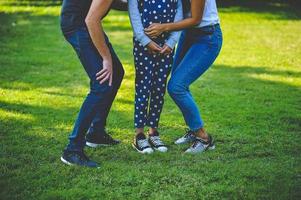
x=281, y=9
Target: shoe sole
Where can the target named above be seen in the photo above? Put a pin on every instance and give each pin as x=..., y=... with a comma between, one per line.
x=94, y=145
x=70, y=164
x=66, y=162
x=159, y=150
x=211, y=148
x=140, y=151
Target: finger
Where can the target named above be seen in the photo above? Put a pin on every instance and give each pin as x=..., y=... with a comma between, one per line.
x=163, y=50
x=157, y=47
x=102, y=75
x=149, y=27
x=105, y=79
x=151, y=33
x=111, y=79
x=101, y=71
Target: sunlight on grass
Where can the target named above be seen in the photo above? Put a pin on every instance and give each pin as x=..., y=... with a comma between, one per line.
x=33, y=10
x=11, y=115
x=292, y=81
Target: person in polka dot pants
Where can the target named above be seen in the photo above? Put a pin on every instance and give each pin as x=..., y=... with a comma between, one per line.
x=153, y=60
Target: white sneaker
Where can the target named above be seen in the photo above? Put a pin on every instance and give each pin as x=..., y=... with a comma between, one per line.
x=142, y=146
x=200, y=146
x=157, y=143
x=188, y=137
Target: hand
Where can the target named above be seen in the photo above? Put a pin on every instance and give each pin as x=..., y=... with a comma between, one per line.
x=166, y=50
x=154, y=30
x=106, y=73
x=153, y=48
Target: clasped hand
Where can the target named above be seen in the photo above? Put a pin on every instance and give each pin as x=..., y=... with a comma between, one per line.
x=154, y=48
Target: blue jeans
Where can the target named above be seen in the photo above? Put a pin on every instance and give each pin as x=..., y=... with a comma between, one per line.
x=196, y=52
x=95, y=108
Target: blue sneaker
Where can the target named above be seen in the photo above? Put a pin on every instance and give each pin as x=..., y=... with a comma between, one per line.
x=78, y=158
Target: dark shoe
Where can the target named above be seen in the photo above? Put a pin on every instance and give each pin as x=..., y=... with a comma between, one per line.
x=141, y=144
x=96, y=140
x=78, y=158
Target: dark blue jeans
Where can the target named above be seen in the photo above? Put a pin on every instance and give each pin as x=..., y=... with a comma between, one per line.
x=196, y=52
x=95, y=108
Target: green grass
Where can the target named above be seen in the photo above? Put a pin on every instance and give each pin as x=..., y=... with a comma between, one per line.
x=250, y=100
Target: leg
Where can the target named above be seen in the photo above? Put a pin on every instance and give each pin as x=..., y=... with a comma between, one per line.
x=183, y=46
x=143, y=65
x=99, y=93
x=161, y=73
x=99, y=121
x=197, y=60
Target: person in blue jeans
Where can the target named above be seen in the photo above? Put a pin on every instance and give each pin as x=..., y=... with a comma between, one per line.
x=153, y=60
x=80, y=23
x=199, y=46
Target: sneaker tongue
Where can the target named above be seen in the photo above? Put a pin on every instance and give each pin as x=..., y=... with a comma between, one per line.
x=140, y=136
x=154, y=133
x=83, y=156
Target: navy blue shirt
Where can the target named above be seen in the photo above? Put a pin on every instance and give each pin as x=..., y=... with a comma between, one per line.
x=73, y=14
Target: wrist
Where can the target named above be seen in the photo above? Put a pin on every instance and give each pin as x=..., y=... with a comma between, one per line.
x=107, y=58
x=165, y=28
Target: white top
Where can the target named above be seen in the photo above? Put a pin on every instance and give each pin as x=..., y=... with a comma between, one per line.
x=210, y=14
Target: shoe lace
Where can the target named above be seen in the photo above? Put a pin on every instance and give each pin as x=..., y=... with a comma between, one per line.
x=108, y=137
x=83, y=156
x=189, y=133
x=198, y=141
x=156, y=140
x=143, y=143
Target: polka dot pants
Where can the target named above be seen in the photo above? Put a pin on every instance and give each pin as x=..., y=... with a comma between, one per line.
x=152, y=70
x=150, y=84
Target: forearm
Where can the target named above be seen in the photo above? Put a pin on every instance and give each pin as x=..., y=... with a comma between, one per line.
x=98, y=39
x=136, y=23
x=174, y=35
x=197, y=9
x=93, y=21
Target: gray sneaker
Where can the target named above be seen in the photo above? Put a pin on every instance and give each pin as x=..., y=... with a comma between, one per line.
x=200, y=145
x=188, y=137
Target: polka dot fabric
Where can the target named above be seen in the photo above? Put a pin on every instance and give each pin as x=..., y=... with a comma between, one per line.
x=152, y=70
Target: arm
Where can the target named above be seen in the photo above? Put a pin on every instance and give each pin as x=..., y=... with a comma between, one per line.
x=197, y=9
x=137, y=23
x=174, y=36
x=97, y=10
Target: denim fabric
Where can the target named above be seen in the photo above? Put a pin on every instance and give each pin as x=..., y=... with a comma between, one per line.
x=196, y=52
x=96, y=106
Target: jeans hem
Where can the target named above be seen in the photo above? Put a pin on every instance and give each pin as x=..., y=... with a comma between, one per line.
x=198, y=127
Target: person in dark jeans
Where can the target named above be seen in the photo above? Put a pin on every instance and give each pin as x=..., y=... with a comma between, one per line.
x=81, y=27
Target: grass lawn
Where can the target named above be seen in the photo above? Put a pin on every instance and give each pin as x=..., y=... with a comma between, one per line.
x=250, y=101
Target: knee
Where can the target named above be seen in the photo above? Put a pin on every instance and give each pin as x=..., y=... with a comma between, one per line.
x=175, y=88
x=99, y=90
